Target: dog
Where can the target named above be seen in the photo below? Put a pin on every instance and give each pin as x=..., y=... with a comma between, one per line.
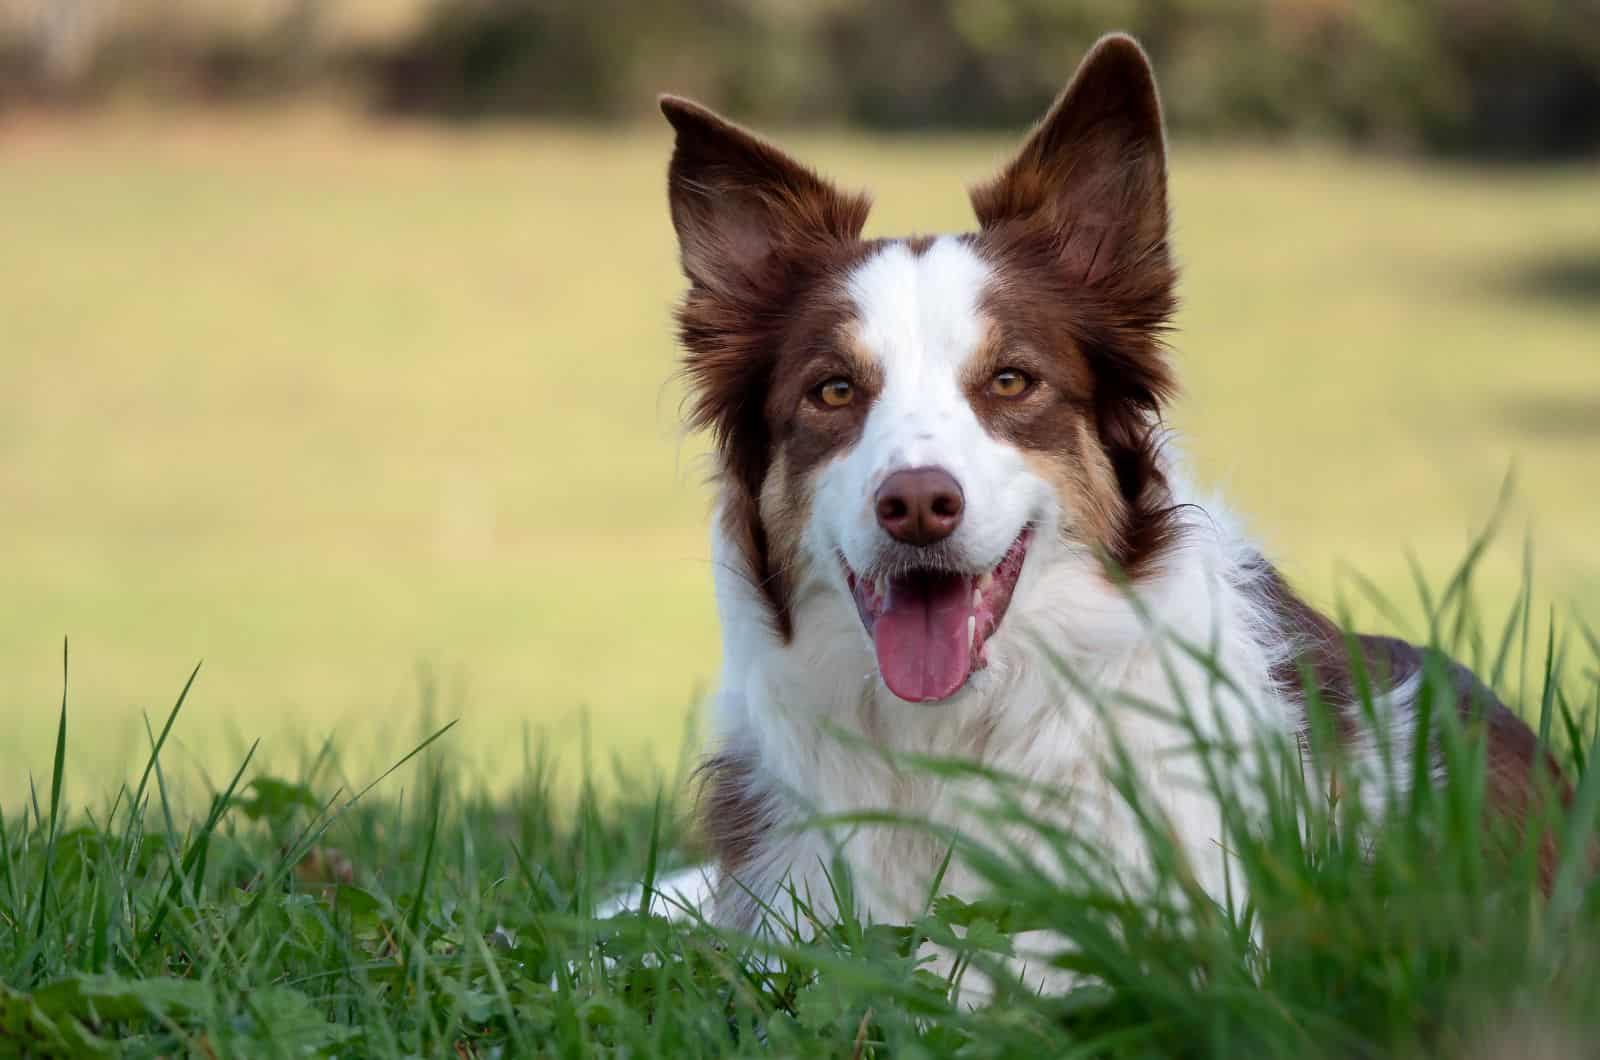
x=942, y=483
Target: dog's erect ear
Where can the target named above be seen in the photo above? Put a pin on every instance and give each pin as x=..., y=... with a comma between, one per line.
x=1093, y=172
x=739, y=204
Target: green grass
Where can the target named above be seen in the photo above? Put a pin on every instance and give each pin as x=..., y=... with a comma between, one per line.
x=422, y=911
x=317, y=400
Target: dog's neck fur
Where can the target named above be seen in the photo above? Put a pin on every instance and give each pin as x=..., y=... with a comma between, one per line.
x=805, y=727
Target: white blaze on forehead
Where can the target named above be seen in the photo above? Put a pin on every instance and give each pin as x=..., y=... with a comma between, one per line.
x=919, y=315
x=920, y=312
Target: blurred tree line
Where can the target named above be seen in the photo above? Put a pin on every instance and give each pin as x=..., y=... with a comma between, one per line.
x=1495, y=78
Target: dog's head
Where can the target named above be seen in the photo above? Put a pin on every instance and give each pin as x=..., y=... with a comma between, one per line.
x=913, y=423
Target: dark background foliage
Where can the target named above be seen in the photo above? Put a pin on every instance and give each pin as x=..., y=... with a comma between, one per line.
x=1493, y=78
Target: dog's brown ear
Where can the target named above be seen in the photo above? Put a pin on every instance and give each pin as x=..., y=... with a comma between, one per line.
x=1093, y=172
x=739, y=204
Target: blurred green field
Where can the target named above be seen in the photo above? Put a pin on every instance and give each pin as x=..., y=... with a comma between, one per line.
x=325, y=402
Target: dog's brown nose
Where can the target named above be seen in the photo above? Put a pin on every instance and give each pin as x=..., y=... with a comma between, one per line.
x=920, y=506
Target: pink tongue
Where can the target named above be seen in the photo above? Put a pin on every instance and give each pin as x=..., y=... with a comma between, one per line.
x=921, y=636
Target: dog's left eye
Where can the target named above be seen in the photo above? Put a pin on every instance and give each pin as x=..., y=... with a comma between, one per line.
x=1009, y=383
x=836, y=393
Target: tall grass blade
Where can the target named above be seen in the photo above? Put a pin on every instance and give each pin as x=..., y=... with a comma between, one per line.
x=12, y=911
x=1577, y=849
x=57, y=772
x=185, y=871
x=161, y=740
x=647, y=890
x=1527, y=619
x=1508, y=634
x=1548, y=694
x=414, y=918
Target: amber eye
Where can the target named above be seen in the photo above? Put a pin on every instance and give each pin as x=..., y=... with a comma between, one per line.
x=1009, y=383
x=836, y=393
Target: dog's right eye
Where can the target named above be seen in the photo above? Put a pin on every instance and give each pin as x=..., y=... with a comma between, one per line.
x=1009, y=383
x=836, y=393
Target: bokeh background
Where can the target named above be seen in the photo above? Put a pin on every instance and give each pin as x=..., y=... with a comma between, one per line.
x=335, y=341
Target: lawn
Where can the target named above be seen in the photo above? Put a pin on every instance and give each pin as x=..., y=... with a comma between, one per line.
x=416, y=912
x=369, y=414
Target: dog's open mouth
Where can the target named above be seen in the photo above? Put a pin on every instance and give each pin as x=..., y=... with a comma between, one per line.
x=929, y=627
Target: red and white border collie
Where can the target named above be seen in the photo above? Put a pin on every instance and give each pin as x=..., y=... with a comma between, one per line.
x=943, y=481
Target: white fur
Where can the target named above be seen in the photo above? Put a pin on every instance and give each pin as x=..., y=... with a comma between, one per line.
x=811, y=716
x=682, y=892
x=1380, y=749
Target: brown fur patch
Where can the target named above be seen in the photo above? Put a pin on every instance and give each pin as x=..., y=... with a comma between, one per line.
x=744, y=210
x=735, y=818
x=783, y=509
x=1093, y=171
x=1345, y=670
x=733, y=815
x=1051, y=423
x=807, y=433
